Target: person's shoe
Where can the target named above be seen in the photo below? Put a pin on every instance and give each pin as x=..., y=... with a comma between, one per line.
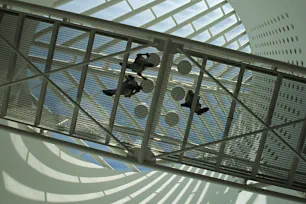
x=107, y=93
x=203, y=110
x=149, y=65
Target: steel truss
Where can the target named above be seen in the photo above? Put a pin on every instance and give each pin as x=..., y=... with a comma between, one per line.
x=166, y=44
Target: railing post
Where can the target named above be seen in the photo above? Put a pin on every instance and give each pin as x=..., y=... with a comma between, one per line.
x=119, y=86
x=268, y=121
x=230, y=116
x=192, y=109
x=155, y=100
x=295, y=161
x=44, y=85
x=12, y=65
x=82, y=82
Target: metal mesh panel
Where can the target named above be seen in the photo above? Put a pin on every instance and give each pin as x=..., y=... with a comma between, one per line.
x=8, y=31
x=58, y=106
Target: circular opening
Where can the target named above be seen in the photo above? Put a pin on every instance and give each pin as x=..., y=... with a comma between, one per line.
x=154, y=59
x=184, y=67
x=287, y=15
x=288, y=28
x=292, y=39
x=283, y=16
x=178, y=93
x=172, y=118
x=278, y=18
x=296, y=37
x=292, y=26
x=147, y=85
x=141, y=110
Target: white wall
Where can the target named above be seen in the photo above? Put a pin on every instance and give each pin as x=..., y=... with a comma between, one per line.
x=33, y=171
x=276, y=30
x=260, y=17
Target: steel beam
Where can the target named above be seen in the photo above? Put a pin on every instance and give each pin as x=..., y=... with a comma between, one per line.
x=242, y=104
x=229, y=139
x=189, y=20
x=230, y=116
x=82, y=82
x=171, y=170
x=295, y=161
x=74, y=65
x=62, y=92
x=48, y=67
x=268, y=121
x=119, y=87
x=12, y=65
x=155, y=99
x=129, y=30
x=192, y=109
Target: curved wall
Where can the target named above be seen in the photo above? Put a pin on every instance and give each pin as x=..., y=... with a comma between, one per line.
x=34, y=171
x=276, y=28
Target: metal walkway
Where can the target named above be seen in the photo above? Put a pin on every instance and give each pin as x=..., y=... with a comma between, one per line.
x=255, y=128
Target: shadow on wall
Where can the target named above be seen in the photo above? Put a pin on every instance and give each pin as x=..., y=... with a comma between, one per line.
x=33, y=171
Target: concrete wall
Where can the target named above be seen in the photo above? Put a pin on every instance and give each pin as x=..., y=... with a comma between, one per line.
x=33, y=171
x=276, y=30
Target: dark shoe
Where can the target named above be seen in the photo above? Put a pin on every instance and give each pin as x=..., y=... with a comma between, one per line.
x=108, y=93
x=120, y=63
x=203, y=110
x=185, y=105
x=149, y=65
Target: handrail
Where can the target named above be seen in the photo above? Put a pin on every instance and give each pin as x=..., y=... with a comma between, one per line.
x=148, y=34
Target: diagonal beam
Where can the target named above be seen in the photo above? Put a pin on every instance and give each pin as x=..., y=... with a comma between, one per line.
x=243, y=105
x=60, y=90
x=230, y=116
x=195, y=147
x=74, y=65
x=192, y=109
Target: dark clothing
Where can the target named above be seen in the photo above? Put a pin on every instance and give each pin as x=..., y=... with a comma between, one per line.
x=129, y=87
x=188, y=103
x=140, y=64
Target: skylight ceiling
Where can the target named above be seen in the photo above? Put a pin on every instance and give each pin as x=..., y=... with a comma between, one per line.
x=210, y=21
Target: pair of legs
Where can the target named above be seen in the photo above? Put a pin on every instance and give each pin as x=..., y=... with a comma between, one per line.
x=198, y=109
x=139, y=68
